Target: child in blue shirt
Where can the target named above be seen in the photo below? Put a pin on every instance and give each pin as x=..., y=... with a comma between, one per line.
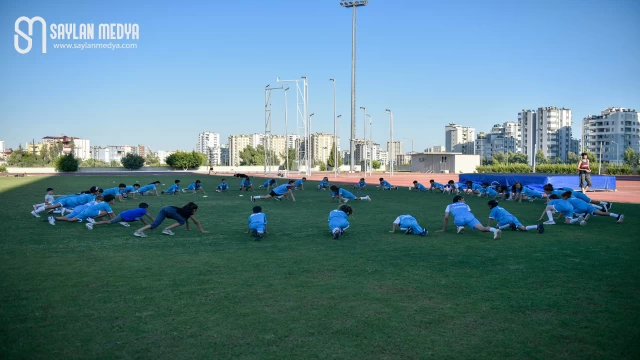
x=174, y=189
x=409, y=224
x=339, y=220
x=488, y=191
x=125, y=217
x=562, y=206
x=360, y=185
x=462, y=216
x=385, y=185
x=195, y=186
x=324, y=184
x=147, y=189
x=223, y=186
x=417, y=186
x=99, y=209
x=278, y=192
x=299, y=184
x=246, y=184
x=269, y=184
x=506, y=220
x=344, y=195
x=435, y=186
x=581, y=207
x=257, y=223
x=473, y=188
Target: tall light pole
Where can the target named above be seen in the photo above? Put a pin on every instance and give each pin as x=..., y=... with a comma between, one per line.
x=411, y=143
x=267, y=126
x=391, y=155
x=370, y=144
x=335, y=132
x=301, y=113
x=286, y=135
x=353, y=4
x=365, y=147
x=309, y=147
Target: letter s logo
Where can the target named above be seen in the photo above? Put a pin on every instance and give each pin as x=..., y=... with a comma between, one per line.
x=28, y=37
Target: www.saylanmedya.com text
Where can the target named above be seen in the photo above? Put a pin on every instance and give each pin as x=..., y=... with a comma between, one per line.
x=85, y=46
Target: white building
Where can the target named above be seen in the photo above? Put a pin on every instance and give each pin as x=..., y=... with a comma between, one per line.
x=224, y=154
x=547, y=130
x=110, y=153
x=237, y=143
x=257, y=139
x=436, y=149
x=321, y=146
x=613, y=131
x=459, y=138
x=162, y=155
x=209, y=145
x=2, y=146
x=444, y=163
x=293, y=141
x=512, y=129
x=397, y=148
x=81, y=147
x=497, y=141
x=383, y=157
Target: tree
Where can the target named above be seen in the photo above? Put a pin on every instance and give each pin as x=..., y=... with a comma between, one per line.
x=572, y=158
x=251, y=156
x=132, y=161
x=322, y=166
x=331, y=160
x=198, y=159
x=630, y=157
x=44, y=154
x=540, y=157
x=72, y=145
x=152, y=160
x=292, y=159
x=591, y=157
x=499, y=158
x=518, y=158
x=114, y=163
x=375, y=164
x=185, y=160
x=67, y=163
x=94, y=163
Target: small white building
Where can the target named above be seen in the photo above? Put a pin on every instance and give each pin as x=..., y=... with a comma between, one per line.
x=445, y=162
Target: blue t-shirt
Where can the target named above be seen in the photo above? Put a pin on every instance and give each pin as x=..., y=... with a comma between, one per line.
x=562, y=206
x=437, y=185
x=324, y=183
x=281, y=189
x=346, y=194
x=111, y=191
x=362, y=184
x=223, y=186
x=498, y=213
x=133, y=214
x=246, y=182
x=174, y=188
x=579, y=206
x=127, y=189
x=385, y=184
x=257, y=219
x=338, y=216
x=82, y=199
x=460, y=210
x=194, y=186
x=299, y=183
x=147, y=188
x=420, y=187
x=477, y=187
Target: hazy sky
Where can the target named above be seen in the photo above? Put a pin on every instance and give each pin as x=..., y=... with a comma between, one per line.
x=203, y=66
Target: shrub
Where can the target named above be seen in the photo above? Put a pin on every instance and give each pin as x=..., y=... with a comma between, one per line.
x=67, y=163
x=132, y=161
x=375, y=164
x=618, y=169
x=504, y=168
x=3, y=169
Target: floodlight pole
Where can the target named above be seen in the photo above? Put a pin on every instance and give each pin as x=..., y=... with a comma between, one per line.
x=267, y=124
x=335, y=133
x=390, y=140
x=370, y=145
x=286, y=135
x=354, y=5
x=365, y=147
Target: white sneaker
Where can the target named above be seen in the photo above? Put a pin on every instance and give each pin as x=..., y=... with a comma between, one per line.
x=139, y=234
x=34, y=213
x=586, y=217
x=62, y=211
x=460, y=229
x=620, y=218
x=123, y=223
x=168, y=232
x=550, y=222
x=368, y=198
x=89, y=226
x=344, y=201
x=497, y=235
x=52, y=220
x=90, y=220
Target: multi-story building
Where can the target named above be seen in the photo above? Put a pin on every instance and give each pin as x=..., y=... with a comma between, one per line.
x=459, y=138
x=142, y=150
x=397, y=148
x=496, y=141
x=403, y=159
x=613, y=131
x=383, y=157
x=2, y=146
x=293, y=141
x=224, y=154
x=257, y=139
x=81, y=147
x=512, y=129
x=110, y=153
x=436, y=149
x=362, y=152
x=237, y=143
x=321, y=146
x=277, y=144
x=162, y=155
x=209, y=145
x=548, y=130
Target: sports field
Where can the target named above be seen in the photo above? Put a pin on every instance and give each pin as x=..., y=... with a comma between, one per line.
x=67, y=292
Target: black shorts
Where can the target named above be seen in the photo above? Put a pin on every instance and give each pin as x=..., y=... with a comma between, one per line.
x=272, y=193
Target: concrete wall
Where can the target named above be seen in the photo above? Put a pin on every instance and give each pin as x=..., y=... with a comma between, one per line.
x=50, y=170
x=444, y=163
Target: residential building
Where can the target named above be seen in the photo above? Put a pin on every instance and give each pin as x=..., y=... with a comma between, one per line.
x=383, y=157
x=404, y=159
x=209, y=145
x=613, y=131
x=436, y=149
x=110, y=153
x=142, y=150
x=293, y=141
x=459, y=138
x=257, y=139
x=397, y=148
x=512, y=129
x=224, y=154
x=346, y=157
x=277, y=144
x=81, y=147
x=2, y=146
x=162, y=155
x=321, y=146
x=237, y=143
x=548, y=130
x=496, y=141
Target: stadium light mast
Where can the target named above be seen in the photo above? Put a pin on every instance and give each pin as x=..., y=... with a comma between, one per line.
x=267, y=126
x=364, y=118
x=353, y=4
x=370, y=144
x=335, y=132
x=391, y=155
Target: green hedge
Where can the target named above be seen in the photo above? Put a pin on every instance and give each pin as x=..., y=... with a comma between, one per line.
x=540, y=168
x=618, y=169
x=3, y=169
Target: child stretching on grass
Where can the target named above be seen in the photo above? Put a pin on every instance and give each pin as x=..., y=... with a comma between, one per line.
x=344, y=195
x=195, y=186
x=324, y=184
x=174, y=189
x=409, y=224
x=68, y=202
x=223, y=186
x=360, y=185
x=418, y=187
x=339, y=220
x=181, y=215
x=147, y=189
x=506, y=220
x=269, y=184
x=562, y=206
x=463, y=217
x=257, y=223
x=278, y=192
x=385, y=185
x=473, y=188
x=125, y=217
x=583, y=208
x=99, y=209
x=299, y=184
x=433, y=186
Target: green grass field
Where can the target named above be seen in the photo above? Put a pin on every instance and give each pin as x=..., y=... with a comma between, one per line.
x=67, y=292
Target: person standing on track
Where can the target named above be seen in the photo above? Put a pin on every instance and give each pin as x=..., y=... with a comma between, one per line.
x=585, y=173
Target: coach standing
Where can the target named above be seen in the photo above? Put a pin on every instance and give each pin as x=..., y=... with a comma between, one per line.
x=585, y=173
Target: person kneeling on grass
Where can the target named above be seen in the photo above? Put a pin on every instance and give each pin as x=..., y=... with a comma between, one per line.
x=223, y=186
x=257, y=223
x=181, y=215
x=418, y=187
x=339, y=220
x=463, y=217
x=125, y=217
x=99, y=209
x=409, y=224
x=360, y=185
x=299, y=184
x=385, y=185
x=269, y=184
x=173, y=189
x=195, y=186
x=506, y=220
x=278, y=192
x=344, y=195
x=562, y=206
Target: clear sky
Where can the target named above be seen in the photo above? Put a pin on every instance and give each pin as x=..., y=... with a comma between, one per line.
x=203, y=66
